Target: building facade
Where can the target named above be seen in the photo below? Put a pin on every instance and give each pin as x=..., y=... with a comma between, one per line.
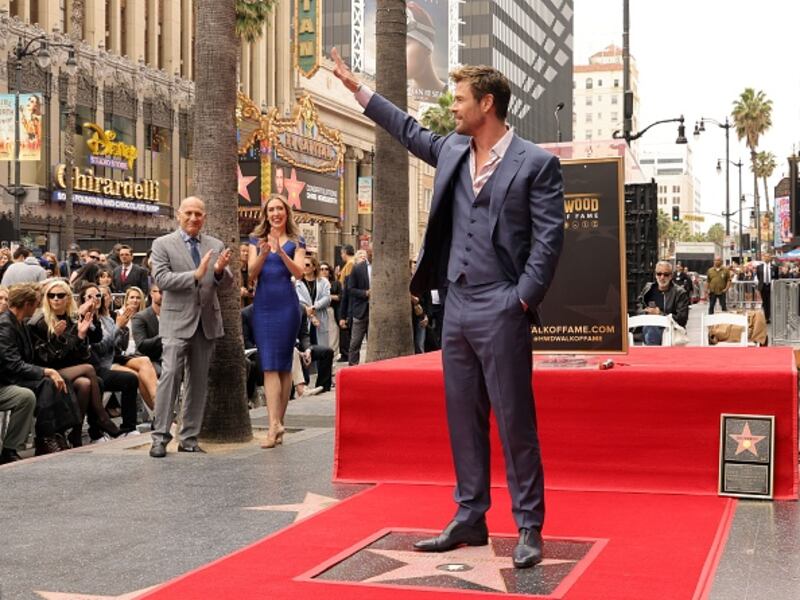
x=531, y=42
x=598, y=97
x=671, y=166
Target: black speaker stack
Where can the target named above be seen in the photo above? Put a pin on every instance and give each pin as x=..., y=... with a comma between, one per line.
x=641, y=237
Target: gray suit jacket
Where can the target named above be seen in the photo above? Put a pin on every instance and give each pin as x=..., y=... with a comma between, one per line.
x=526, y=207
x=185, y=300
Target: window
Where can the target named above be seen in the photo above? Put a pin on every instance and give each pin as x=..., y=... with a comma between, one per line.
x=676, y=189
x=589, y=84
x=599, y=133
x=676, y=200
x=588, y=100
x=615, y=99
x=588, y=135
x=616, y=83
x=588, y=117
x=599, y=83
x=599, y=116
x=614, y=116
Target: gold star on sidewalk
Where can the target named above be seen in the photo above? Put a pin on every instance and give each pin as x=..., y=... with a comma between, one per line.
x=746, y=440
x=311, y=504
x=67, y=596
x=476, y=564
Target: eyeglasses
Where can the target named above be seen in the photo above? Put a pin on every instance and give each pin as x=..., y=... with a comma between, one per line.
x=56, y=295
x=663, y=274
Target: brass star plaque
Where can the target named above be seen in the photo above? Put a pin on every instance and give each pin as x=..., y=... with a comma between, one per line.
x=747, y=449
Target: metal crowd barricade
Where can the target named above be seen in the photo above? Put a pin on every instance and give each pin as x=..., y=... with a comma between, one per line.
x=785, y=315
x=743, y=295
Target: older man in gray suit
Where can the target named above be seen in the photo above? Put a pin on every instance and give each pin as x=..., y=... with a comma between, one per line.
x=494, y=236
x=190, y=321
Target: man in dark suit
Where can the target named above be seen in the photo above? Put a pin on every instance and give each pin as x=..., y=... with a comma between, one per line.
x=128, y=274
x=765, y=273
x=358, y=284
x=145, y=331
x=494, y=235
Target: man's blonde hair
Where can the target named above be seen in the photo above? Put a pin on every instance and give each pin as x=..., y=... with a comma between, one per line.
x=485, y=80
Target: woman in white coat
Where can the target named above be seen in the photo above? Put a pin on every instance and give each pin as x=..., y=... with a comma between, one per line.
x=314, y=293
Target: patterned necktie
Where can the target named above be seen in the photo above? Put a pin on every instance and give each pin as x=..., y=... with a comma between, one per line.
x=195, y=251
x=124, y=274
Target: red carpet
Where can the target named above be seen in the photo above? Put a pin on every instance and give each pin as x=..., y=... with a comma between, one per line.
x=657, y=546
x=649, y=424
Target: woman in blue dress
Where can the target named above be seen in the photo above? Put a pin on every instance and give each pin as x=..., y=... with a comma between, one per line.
x=277, y=253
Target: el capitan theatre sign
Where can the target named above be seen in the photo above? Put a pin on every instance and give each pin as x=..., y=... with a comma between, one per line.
x=298, y=157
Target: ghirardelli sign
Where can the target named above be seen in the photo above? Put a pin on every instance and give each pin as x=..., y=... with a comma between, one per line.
x=304, y=142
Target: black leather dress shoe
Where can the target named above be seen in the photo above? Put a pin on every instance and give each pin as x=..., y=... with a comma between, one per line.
x=158, y=450
x=182, y=448
x=454, y=535
x=528, y=551
x=8, y=456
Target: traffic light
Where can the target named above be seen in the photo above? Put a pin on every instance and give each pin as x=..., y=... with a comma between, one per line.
x=676, y=213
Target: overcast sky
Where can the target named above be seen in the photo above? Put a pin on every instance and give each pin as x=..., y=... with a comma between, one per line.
x=695, y=57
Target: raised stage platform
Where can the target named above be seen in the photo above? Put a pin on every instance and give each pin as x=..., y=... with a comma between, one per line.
x=649, y=424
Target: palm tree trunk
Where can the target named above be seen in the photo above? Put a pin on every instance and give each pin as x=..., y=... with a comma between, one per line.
x=757, y=205
x=76, y=34
x=390, y=331
x=227, y=418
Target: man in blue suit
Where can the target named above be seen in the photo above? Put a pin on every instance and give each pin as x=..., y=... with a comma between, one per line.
x=494, y=236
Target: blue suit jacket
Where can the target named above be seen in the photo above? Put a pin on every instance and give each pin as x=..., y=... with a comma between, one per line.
x=526, y=207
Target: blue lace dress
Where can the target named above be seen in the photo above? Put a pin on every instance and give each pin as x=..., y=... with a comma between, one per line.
x=276, y=310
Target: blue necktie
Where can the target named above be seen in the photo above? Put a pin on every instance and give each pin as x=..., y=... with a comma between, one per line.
x=195, y=251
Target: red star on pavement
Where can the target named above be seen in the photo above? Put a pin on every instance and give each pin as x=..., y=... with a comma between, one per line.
x=746, y=440
x=294, y=186
x=243, y=182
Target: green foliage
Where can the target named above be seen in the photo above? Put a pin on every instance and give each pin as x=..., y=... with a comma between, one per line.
x=752, y=116
x=251, y=16
x=765, y=164
x=438, y=118
x=716, y=233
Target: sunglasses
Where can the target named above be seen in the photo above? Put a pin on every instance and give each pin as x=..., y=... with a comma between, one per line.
x=94, y=257
x=56, y=295
x=97, y=296
x=324, y=268
x=663, y=274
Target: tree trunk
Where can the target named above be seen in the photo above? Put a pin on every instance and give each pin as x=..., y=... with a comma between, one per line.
x=75, y=35
x=226, y=418
x=390, y=333
x=757, y=205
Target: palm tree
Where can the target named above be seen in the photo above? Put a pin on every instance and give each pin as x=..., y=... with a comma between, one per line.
x=75, y=35
x=752, y=116
x=439, y=118
x=389, y=316
x=664, y=222
x=215, y=155
x=251, y=15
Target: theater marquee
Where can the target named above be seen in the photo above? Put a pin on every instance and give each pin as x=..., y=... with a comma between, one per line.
x=297, y=157
x=585, y=310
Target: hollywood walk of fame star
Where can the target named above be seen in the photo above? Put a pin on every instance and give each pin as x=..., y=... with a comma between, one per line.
x=475, y=564
x=746, y=440
x=243, y=182
x=311, y=504
x=67, y=596
x=294, y=186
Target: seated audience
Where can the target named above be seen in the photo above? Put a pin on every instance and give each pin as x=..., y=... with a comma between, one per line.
x=126, y=358
x=56, y=412
x=662, y=297
x=24, y=269
x=61, y=332
x=102, y=357
x=144, y=326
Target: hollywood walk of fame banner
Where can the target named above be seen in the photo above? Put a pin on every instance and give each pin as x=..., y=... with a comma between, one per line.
x=585, y=309
x=746, y=455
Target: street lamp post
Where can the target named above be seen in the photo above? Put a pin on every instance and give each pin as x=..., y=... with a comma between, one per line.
x=37, y=46
x=739, y=166
x=700, y=127
x=629, y=137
